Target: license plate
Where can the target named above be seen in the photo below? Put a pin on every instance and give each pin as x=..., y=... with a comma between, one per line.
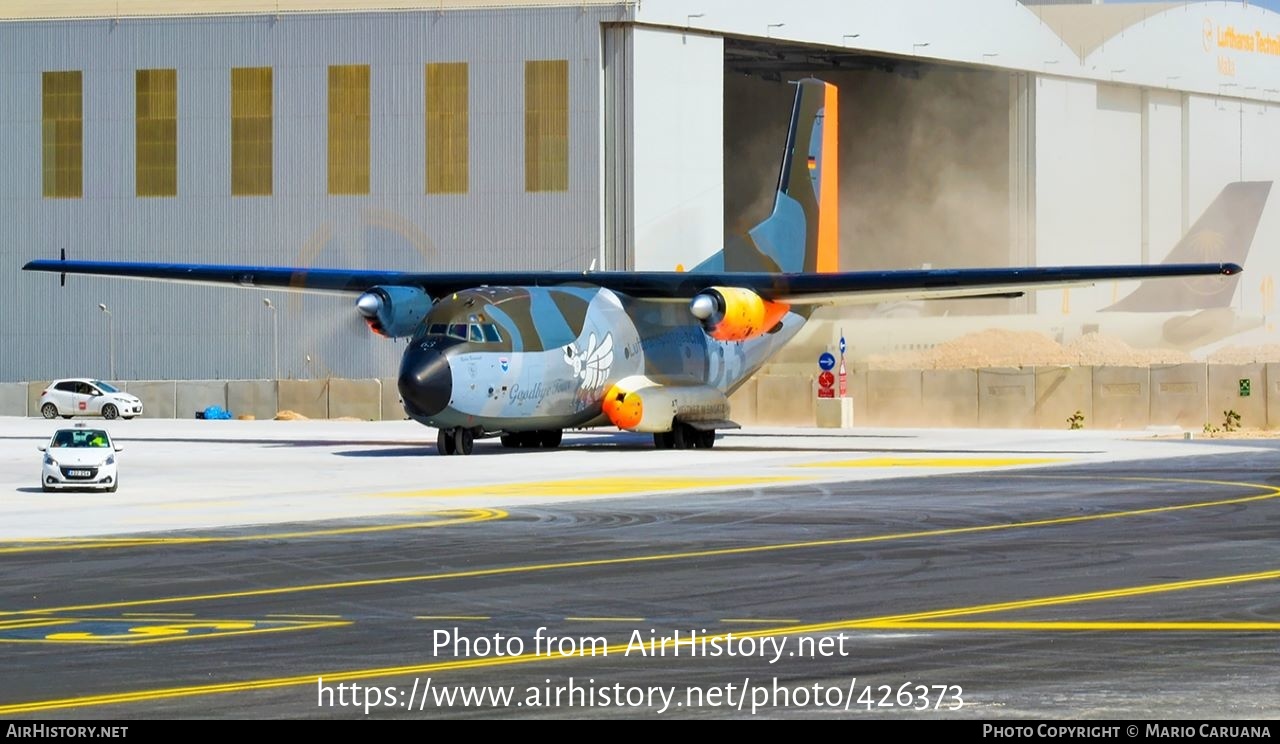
x=78, y=473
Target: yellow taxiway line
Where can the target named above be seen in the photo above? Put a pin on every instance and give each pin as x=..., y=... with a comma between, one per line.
x=1271, y=493
x=448, y=518
x=890, y=621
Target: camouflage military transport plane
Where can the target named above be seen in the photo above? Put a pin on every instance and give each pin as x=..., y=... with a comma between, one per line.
x=526, y=355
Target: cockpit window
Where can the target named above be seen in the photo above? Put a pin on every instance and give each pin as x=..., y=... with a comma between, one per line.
x=475, y=332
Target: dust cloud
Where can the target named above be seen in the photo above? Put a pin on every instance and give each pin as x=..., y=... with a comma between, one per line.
x=924, y=168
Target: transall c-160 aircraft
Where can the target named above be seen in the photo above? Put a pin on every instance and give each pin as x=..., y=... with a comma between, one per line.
x=526, y=355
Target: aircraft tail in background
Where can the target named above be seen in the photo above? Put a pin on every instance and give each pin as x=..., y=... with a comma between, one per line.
x=1223, y=233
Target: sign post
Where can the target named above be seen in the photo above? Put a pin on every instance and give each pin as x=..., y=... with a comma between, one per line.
x=844, y=376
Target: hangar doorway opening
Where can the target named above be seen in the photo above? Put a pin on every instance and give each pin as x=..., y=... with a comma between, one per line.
x=933, y=172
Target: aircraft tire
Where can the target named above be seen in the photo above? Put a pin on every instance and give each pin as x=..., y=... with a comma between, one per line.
x=510, y=441
x=662, y=440
x=550, y=438
x=463, y=441
x=679, y=439
x=707, y=439
x=445, y=442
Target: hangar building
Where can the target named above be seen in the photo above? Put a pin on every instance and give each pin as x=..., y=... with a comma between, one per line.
x=474, y=135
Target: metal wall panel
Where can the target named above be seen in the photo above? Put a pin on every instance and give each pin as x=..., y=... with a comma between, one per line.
x=168, y=331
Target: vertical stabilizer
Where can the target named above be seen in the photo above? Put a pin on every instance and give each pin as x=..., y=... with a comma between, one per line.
x=1223, y=233
x=802, y=233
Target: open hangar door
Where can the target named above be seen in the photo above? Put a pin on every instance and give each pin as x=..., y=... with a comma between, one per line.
x=925, y=153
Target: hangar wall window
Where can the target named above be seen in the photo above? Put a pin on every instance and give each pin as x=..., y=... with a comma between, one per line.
x=62, y=134
x=349, y=129
x=157, y=132
x=546, y=125
x=446, y=97
x=251, y=131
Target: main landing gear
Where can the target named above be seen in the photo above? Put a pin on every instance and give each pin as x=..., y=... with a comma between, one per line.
x=683, y=436
x=543, y=438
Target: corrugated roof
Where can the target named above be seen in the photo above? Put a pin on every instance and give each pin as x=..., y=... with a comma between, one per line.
x=1084, y=28
x=23, y=10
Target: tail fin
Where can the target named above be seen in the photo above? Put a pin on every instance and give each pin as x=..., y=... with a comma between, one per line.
x=1223, y=233
x=802, y=233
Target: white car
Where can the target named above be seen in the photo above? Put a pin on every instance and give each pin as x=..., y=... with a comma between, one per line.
x=85, y=397
x=80, y=458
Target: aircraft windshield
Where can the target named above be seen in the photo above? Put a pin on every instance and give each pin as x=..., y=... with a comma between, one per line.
x=479, y=333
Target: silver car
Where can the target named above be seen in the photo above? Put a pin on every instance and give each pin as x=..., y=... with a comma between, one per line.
x=87, y=397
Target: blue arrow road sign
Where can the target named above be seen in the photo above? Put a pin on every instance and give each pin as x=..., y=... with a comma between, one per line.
x=826, y=361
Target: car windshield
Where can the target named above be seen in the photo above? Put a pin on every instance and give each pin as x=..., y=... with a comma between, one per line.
x=81, y=438
x=105, y=387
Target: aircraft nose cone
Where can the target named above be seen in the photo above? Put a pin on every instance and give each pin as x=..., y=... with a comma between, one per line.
x=425, y=383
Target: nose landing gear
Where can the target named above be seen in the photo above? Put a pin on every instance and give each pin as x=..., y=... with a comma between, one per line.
x=455, y=441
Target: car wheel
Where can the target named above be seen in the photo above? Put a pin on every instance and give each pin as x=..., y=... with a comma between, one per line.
x=110, y=412
x=49, y=411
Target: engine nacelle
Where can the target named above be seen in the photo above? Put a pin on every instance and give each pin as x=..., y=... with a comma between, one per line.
x=735, y=314
x=393, y=311
x=638, y=403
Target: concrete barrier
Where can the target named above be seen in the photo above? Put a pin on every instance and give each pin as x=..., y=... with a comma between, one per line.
x=1273, y=395
x=359, y=399
x=833, y=413
x=392, y=407
x=949, y=397
x=159, y=397
x=1060, y=392
x=1179, y=396
x=1241, y=388
x=894, y=398
x=785, y=401
x=307, y=397
x=13, y=399
x=1121, y=398
x=742, y=403
x=856, y=390
x=1007, y=398
x=255, y=398
x=33, y=396
x=197, y=395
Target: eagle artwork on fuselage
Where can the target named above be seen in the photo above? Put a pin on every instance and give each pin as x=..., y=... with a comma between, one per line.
x=525, y=355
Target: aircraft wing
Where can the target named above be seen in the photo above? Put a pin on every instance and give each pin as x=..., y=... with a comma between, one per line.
x=842, y=288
